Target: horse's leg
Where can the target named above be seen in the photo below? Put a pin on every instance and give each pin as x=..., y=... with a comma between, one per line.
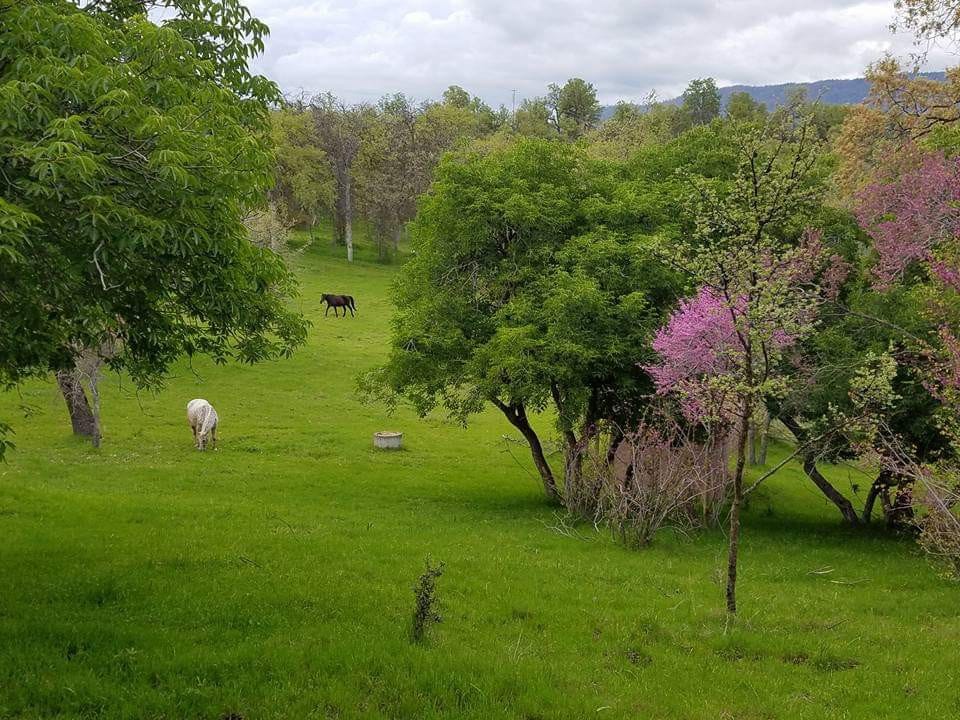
x=328, y=310
x=213, y=438
x=194, y=428
x=351, y=311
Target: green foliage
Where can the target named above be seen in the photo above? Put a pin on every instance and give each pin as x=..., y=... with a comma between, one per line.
x=456, y=96
x=483, y=118
x=632, y=128
x=426, y=609
x=741, y=107
x=128, y=167
x=574, y=107
x=532, y=119
x=625, y=111
x=701, y=101
x=304, y=183
x=524, y=278
x=221, y=33
x=864, y=325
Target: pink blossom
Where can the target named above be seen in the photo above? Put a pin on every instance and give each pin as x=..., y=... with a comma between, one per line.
x=697, y=340
x=698, y=345
x=834, y=275
x=912, y=218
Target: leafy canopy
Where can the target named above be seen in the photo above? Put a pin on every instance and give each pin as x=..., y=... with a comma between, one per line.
x=524, y=280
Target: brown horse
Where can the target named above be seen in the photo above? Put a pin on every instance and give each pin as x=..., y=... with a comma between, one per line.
x=339, y=301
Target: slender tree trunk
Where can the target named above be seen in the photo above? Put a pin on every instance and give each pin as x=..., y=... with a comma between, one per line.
x=340, y=214
x=752, y=443
x=517, y=416
x=348, y=220
x=616, y=436
x=765, y=437
x=572, y=460
x=882, y=482
x=733, y=547
x=84, y=420
x=396, y=237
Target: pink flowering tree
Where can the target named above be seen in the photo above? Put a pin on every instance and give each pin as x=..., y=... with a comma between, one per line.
x=758, y=290
x=914, y=223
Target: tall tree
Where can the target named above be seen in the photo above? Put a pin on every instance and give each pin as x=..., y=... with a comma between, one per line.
x=574, y=107
x=634, y=127
x=400, y=152
x=524, y=292
x=391, y=169
x=456, y=96
x=304, y=185
x=701, y=101
x=722, y=350
x=532, y=118
x=341, y=129
x=129, y=162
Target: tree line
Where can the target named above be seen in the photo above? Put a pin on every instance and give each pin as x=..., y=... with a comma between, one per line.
x=342, y=161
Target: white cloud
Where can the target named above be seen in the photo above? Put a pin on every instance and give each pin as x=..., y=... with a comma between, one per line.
x=364, y=49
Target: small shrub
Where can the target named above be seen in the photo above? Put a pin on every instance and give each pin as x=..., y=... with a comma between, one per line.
x=426, y=602
x=939, y=526
x=658, y=476
x=269, y=228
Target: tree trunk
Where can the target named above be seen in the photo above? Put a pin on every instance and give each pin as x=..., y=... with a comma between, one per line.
x=572, y=460
x=616, y=435
x=396, y=237
x=764, y=438
x=733, y=547
x=845, y=507
x=339, y=216
x=752, y=443
x=517, y=416
x=883, y=482
x=348, y=221
x=84, y=420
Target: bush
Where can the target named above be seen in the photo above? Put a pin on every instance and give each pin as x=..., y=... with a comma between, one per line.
x=269, y=228
x=939, y=525
x=656, y=477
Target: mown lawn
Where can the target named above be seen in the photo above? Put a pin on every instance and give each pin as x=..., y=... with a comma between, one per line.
x=272, y=578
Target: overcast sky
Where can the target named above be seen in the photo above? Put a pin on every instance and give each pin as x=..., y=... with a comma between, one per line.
x=626, y=48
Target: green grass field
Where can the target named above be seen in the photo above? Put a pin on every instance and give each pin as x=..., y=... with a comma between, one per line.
x=273, y=578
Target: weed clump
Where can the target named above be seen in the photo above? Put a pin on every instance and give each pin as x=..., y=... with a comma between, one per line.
x=426, y=603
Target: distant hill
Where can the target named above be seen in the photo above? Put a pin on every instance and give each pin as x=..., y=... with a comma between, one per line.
x=833, y=92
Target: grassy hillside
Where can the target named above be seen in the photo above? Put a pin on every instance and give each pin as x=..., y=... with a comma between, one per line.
x=272, y=578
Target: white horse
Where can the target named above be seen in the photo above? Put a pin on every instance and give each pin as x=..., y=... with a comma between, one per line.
x=203, y=421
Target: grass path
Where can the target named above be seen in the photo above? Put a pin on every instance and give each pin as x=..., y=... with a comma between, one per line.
x=272, y=578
